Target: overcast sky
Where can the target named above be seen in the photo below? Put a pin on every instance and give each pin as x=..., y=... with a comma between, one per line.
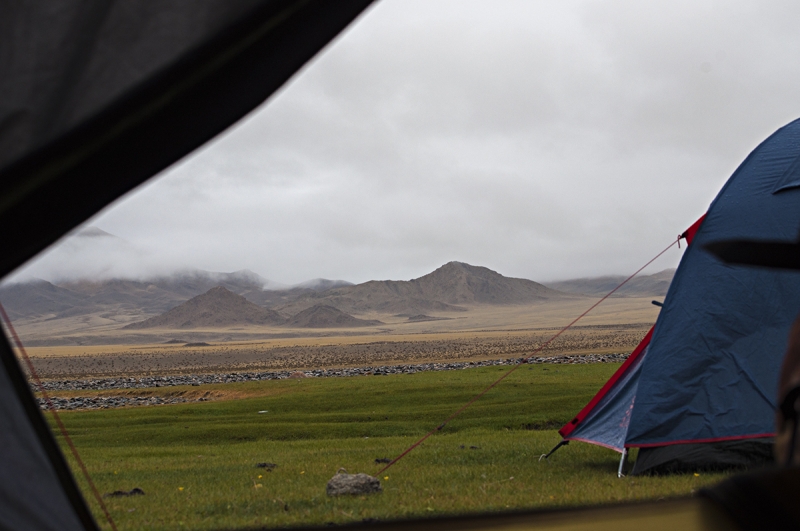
x=544, y=140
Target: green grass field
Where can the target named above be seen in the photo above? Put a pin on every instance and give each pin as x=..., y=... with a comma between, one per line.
x=196, y=462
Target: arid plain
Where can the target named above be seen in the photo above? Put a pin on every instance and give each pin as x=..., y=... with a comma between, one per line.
x=216, y=323
x=481, y=332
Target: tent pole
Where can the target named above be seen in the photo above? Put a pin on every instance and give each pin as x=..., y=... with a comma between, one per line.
x=622, y=461
x=563, y=442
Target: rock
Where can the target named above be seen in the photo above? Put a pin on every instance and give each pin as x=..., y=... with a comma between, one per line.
x=195, y=379
x=136, y=491
x=343, y=483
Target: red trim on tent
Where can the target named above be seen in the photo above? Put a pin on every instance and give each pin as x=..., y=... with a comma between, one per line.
x=691, y=231
x=699, y=441
x=571, y=425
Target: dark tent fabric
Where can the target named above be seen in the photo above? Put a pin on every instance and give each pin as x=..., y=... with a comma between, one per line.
x=708, y=381
x=36, y=488
x=703, y=457
x=95, y=98
x=98, y=96
x=712, y=369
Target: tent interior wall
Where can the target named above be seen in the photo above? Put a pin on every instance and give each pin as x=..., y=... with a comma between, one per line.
x=96, y=98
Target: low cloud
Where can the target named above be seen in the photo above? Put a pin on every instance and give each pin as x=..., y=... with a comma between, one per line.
x=542, y=140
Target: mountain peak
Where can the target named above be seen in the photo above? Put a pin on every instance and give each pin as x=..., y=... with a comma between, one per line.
x=448, y=288
x=325, y=316
x=218, y=307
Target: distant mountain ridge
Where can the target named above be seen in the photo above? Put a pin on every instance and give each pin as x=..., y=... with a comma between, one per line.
x=449, y=288
x=655, y=285
x=452, y=287
x=40, y=298
x=219, y=308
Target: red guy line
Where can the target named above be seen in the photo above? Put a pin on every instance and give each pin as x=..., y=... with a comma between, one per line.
x=517, y=366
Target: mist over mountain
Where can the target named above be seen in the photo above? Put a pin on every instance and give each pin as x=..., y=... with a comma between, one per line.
x=40, y=298
x=322, y=284
x=453, y=287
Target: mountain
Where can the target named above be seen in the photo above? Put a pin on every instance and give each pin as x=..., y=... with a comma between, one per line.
x=39, y=297
x=153, y=296
x=277, y=297
x=323, y=316
x=449, y=288
x=655, y=285
x=322, y=284
x=217, y=307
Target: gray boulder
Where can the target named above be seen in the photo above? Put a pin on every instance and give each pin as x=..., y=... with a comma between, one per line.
x=343, y=483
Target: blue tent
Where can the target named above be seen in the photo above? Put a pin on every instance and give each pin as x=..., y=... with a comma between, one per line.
x=700, y=390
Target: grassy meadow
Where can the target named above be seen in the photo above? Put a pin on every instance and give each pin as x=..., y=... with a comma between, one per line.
x=196, y=462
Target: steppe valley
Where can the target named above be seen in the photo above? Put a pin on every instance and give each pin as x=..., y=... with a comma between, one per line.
x=203, y=323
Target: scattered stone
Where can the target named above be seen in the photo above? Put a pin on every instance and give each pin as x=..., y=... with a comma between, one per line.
x=98, y=384
x=343, y=484
x=380, y=460
x=107, y=402
x=269, y=466
x=136, y=491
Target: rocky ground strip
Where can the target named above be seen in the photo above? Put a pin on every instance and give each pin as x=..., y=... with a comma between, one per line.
x=200, y=379
x=232, y=357
x=107, y=402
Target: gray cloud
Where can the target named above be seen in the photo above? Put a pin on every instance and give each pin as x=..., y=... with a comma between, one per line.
x=543, y=140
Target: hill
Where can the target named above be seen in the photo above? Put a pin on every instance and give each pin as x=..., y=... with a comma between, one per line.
x=655, y=285
x=323, y=316
x=152, y=296
x=217, y=307
x=449, y=288
x=40, y=297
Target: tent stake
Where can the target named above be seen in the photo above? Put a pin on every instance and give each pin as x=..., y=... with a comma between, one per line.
x=622, y=460
x=548, y=454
